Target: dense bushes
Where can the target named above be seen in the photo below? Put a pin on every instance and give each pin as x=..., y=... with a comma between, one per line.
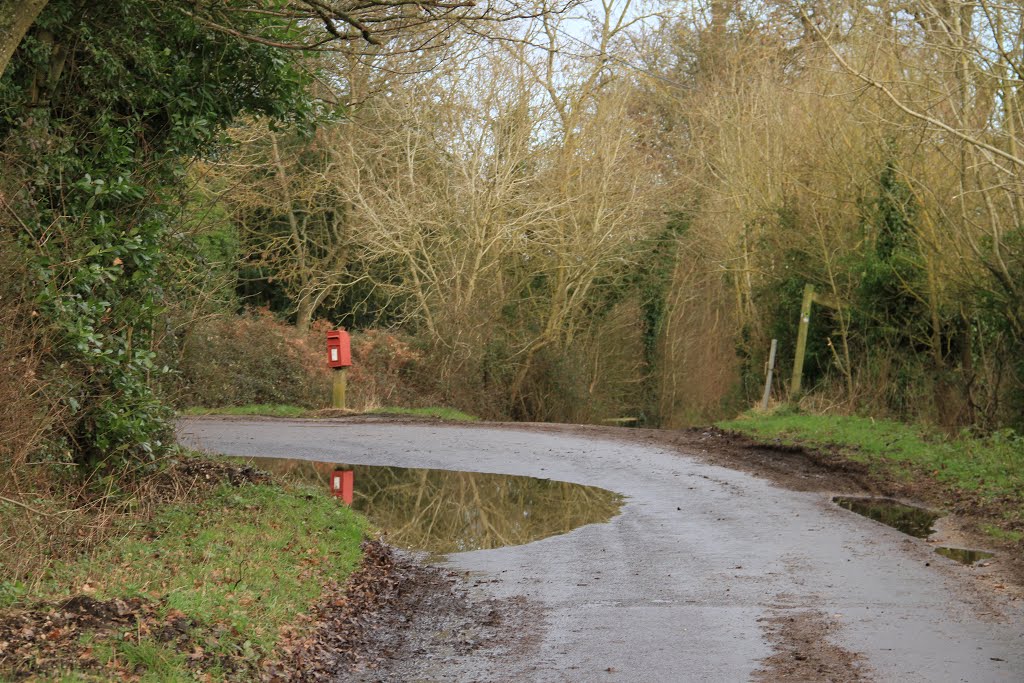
x=229, y=360
x=101, y=108
x=388, y=370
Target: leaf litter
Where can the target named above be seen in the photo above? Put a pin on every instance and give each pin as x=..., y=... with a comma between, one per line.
x=396, y=615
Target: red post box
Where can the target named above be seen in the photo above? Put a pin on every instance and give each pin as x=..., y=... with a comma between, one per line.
x=339, y=349
x=342, y=485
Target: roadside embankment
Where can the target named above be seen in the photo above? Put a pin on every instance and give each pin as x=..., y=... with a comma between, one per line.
x=208, y=586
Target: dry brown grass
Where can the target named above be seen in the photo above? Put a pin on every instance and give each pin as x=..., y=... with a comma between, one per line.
x=67, y=516
x=26, y=414
x=55, y=522
x=25, y=409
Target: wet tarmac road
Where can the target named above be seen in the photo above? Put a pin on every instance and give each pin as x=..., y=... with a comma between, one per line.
x=674, y=587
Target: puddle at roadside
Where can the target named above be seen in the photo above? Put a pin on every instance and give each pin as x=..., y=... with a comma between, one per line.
x=441, y=511
x=964, y=555
x=911, y=520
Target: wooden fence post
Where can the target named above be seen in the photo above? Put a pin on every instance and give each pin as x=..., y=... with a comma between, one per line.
x=801, y=340
x=771, y=371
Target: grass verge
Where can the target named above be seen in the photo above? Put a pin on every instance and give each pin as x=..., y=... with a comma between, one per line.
x=986, y=472
x=440, y=413
x=201, y=590
x=278, y=410
x=267, y=409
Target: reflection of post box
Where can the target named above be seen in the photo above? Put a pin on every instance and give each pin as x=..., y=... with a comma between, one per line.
x=339, y=349
x=342, y=483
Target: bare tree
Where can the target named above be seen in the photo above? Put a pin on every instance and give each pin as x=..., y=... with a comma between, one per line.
x=510, y=203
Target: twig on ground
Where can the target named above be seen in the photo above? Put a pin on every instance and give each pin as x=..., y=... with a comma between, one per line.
x=32, y=509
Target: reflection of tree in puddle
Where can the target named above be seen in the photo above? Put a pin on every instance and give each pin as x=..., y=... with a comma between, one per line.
x=441, y=511
x=915, y=521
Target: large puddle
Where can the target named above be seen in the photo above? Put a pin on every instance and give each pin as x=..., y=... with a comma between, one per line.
x=441, y=511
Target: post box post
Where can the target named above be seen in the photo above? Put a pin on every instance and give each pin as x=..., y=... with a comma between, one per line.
x=340, y=386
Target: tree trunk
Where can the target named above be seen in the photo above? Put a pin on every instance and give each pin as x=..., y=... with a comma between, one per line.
x=304, y=312
x=16, y=18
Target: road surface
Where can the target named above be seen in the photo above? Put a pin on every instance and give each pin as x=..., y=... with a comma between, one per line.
x=698, y=578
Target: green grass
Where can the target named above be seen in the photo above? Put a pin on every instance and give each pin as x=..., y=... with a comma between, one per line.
x=990, y=468
x=440, y=413
x=266, y=409
x=158, y=661
x=1003, y=534
x=242, y=564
